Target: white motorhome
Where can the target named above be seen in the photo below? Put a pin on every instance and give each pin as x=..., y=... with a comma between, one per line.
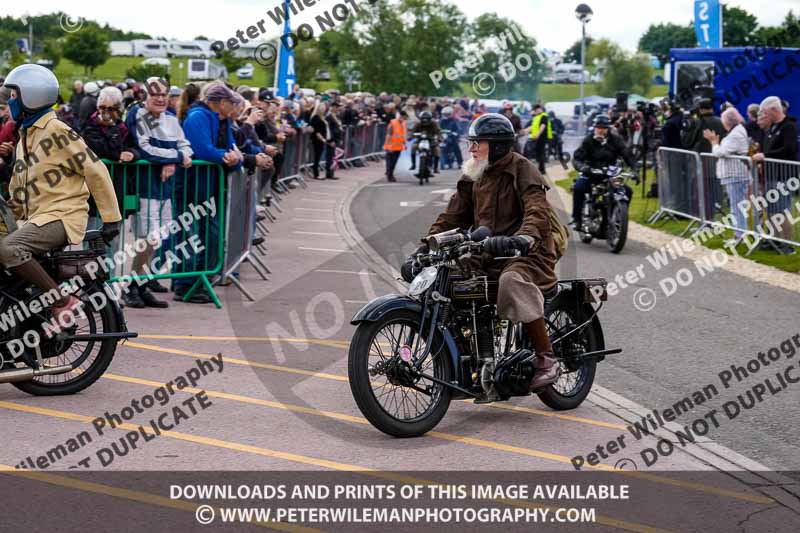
x=570, y=73
x=205, y=70
x=121, y=48
x=149, y=48
x=186, y=49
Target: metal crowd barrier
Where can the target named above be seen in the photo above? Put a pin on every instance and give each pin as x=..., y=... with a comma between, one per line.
x=184, y=214
x=689, y=188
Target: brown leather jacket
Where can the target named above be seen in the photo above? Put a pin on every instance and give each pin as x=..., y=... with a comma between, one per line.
x=496, y=203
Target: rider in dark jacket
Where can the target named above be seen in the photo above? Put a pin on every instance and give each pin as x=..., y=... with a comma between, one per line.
x=427, y=126
x=601, y=149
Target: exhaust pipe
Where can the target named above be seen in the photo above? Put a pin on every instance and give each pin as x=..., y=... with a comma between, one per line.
x=26, y=374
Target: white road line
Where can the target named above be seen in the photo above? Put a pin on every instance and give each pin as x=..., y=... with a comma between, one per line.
x=346, y=272
x=356, y=302
x=323, y=193
x=314, y=220
x=317, y=233
x=323, y=250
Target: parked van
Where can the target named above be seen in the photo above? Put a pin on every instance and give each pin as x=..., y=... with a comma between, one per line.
x=570, y=73
x=149, y=48
x=121, y=48
x=186, y=49
x=205, y=70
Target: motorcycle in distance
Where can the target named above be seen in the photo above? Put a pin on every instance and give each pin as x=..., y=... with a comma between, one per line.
x=411, y=355
x=448, y=148
x=425, y=154
x=50, y=362
x=605, y=211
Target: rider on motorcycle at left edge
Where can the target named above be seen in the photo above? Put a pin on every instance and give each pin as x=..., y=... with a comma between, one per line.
x=51, y=183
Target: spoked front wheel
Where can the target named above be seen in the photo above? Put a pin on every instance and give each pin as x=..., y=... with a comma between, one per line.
x=390, y=393
x=618, y=228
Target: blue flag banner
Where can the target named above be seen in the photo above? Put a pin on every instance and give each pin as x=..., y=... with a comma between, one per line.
x=287, y=75
x=708, y=23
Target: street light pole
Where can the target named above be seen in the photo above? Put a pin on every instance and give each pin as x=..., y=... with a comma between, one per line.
x=584, y=14
x=583, y=68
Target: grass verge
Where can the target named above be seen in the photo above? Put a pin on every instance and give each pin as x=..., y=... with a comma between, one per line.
x=642, y=208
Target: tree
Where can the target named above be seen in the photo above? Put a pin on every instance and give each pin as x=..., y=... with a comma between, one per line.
x=397, y=46
x=88, y=48
x=626, y=73
x=601, y=50
x=659, y=38
x=738, y=27
x=573, y=53
x=142, y=72
x=52, y=51
x=510, y=59
x=231, y=62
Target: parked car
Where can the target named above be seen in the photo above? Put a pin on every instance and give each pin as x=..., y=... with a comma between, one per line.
x=245, y=72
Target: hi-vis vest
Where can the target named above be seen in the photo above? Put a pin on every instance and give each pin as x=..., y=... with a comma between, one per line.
x=395, y=136
x=537, y=123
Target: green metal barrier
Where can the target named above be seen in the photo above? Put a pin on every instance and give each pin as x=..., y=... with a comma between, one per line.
x=178, y=206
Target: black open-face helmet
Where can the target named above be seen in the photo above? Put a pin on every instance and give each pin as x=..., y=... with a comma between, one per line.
x=602, y=121
x=425, y=117
x=497, y=130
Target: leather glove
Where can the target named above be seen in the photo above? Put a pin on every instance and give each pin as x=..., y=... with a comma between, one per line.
x=411, y=268
x=506, y=246
x=109, y=231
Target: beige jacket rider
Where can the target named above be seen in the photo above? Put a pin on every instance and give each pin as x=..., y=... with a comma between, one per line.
x=52, y=178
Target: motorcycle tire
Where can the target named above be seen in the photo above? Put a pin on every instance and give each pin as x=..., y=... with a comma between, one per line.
x=105, y=316
x=364, y=341
x=562, y=395
x=424, y=168
x=618, y=228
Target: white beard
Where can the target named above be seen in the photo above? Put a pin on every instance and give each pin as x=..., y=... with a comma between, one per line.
x=475, y=169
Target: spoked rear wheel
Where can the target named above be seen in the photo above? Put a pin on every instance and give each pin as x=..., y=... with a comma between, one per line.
x=577, y=376
x=390, y=394
x=90, y=359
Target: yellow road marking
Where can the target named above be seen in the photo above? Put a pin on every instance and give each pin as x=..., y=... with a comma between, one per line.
x=629, y=526
x=291, y=340
x=241, y=362
x=336, y=377
x=483, y=443
x=127, y=494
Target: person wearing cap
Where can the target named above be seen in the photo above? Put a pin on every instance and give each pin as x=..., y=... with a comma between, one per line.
x=208, y=128
x=173, y=97
x=88, y=102
x=158, y=139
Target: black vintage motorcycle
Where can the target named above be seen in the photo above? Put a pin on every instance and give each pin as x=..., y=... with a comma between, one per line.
x=412, y=355
x=41, y=361
x=605, y=211
x=425, y=144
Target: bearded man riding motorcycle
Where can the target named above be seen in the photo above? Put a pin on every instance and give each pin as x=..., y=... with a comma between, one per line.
x=428, y=126
x=53, y=176
x=505, y=192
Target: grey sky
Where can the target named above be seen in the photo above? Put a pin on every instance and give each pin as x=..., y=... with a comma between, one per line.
x=551, y=22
